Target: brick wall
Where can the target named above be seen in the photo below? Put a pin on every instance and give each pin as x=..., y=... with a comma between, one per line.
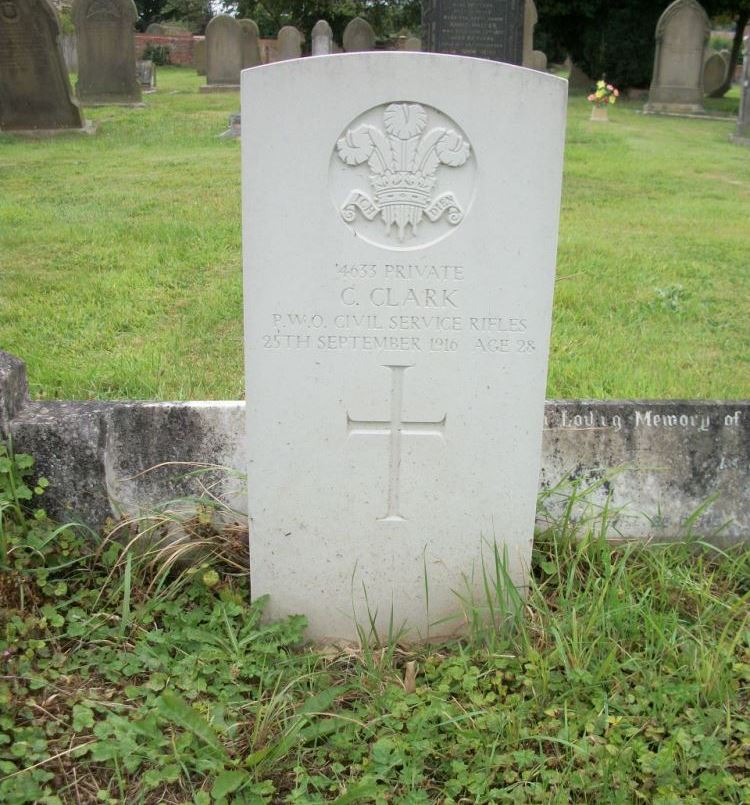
x=180, y=47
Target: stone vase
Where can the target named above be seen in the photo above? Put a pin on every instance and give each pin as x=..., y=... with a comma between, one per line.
x=599, y=113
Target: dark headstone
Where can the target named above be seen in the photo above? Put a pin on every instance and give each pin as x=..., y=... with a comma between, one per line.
x=34, y=88
x=106, y=51
x=486, y=29
x=146, y=72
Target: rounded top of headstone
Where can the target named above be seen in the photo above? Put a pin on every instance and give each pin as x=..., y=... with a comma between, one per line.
x=222, y=21
x=249, y=25
x=322, y=28
x=358, y=36
x=98, y=11
x=679, y=8
x=155, y=29
x=289, y=31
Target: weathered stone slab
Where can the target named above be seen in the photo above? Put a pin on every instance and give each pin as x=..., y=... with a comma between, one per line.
x=146, y=72
x=199, y=56
x=714, y=72
x=742, y=135
x=410, y=329
x=250, y=47
x=322, y=39
x=413, y=44
x=289, y=43
x=34, y=88
x=658, y=459
x=106, y=51
x=223, y=54
x=487, y=29
x=681, y=36
x=358, y=36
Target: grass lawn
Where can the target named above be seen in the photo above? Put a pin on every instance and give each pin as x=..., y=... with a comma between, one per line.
x=121, y=270
x=624, y=677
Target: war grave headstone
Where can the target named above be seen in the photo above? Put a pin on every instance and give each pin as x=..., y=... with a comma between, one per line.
x=714, y=72
x=487, y=29
x=358, y=36
x=322, y=39
x=223, y=54
x=35, y=94
x=742, y=134
x=677, y=82
x=199, y=56
x=411, y=330
x=249, y=40
x=106, y=52
x=289, y=43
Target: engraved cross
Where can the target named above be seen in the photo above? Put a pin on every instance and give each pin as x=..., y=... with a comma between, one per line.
x=395, y=428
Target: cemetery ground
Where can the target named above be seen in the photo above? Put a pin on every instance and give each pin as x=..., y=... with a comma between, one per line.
x=121, y=255
x=134, y=668
x=623, y=677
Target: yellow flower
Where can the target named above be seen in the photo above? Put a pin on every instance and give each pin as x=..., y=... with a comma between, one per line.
x=600, y=84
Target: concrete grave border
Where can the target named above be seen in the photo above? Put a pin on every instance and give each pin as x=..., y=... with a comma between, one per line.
x=660, y=460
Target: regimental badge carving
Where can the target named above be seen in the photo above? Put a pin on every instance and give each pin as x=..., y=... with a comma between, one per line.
x=413, y=157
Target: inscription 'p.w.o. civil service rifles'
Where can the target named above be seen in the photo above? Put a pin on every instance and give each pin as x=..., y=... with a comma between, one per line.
x=403, y=161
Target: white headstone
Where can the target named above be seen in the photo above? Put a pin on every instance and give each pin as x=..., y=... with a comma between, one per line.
x=399, y=264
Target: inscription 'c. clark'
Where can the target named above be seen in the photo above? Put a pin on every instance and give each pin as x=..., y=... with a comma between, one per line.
x=392, y=297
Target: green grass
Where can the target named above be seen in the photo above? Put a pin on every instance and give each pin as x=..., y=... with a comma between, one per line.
x=121, y=267
x=623, y=678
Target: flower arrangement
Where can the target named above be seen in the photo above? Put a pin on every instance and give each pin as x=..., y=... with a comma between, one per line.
x=604, y=95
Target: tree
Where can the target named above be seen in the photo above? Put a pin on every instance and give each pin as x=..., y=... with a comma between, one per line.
x=739, y=11
x=614, y=40
x=195, y=13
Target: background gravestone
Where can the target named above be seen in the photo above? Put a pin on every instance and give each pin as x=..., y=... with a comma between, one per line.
x=146, y=72
x=289, y=43
x=199, y=56
x=410, y=329
x=106, y=51
x=714, y=72
x=681, y=36
x=358, y=36
x=223, y=54
x=34, y=88
x=156, y=30
x=742, y=135
x=413, y=44
x=487, y=29
x=250, y=47
x=322, y=39
x=534, y=59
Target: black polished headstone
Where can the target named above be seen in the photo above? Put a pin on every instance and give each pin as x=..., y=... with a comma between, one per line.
x=486, y=29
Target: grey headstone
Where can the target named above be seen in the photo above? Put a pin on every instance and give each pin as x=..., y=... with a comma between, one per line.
x=358, y=36
x=156, y=30
x=289, y=41
x=34, y=88
x=106, y=51
x=677, y=82
x=199, y=56
x=742, y=135
x=486, y=29
x=530, y=19
x=322, y=39
x=413, y=44
x=714, y=72
x=249, y=39
x=223, y=51
x=577, y=79
x=146, y=71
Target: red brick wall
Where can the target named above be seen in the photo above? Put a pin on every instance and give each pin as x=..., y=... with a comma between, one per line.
x=180, y=47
